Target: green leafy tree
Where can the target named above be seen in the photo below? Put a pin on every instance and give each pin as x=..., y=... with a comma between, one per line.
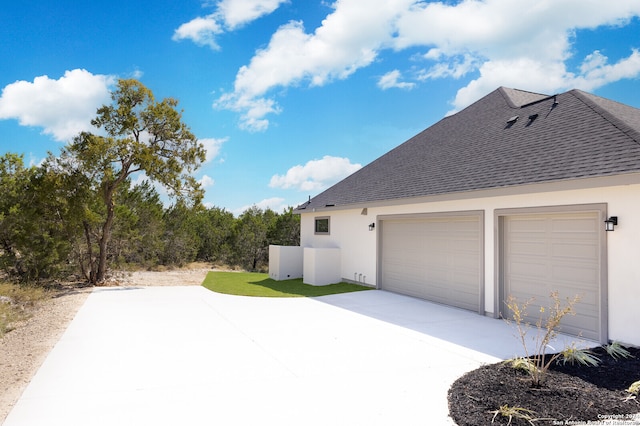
x=181, y=240
x=251, y=242
x=214, y=226
x=139, y=134
x=34, y=240
x=138, y=228
x=14, y=181
x=285, y=230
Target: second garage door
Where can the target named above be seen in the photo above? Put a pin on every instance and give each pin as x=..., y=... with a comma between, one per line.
x=434, y=258
x=557, y=252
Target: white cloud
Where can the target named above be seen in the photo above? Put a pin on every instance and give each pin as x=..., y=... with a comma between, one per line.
x=63, y=107
x=275, y=203
x=229, y=15
x=486, y=37
x=206, y=181
x=348, y=39
x=212, y=146
x=236, y=13
x=316, y=175
x=252, y=110
x=454, y=68
x=202, y=31
x=596, y=70
x=522, y=73
x=517, y=43
x=391, y=80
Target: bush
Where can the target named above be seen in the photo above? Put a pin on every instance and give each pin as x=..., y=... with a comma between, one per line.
x=546, y=329
x=16, y=303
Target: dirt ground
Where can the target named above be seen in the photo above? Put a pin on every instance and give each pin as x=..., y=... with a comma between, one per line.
x=25, y=348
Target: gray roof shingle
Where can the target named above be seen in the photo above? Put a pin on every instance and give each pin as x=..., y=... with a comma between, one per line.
x=572, y=135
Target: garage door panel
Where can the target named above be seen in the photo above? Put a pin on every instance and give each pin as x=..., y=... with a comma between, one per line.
x=529, y=248
x=524, y=290
x=555, y=252
x=585, y=251
x=521, y=267
x=444, y=263
x=577, y=273
x=581, y=325
x=576, y=225
x=518, y=225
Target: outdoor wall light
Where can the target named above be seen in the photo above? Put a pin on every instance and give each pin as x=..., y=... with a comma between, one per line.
x=372, y=226
x=610, y=223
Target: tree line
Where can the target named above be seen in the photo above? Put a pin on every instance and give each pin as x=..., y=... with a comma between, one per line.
x=78, y=213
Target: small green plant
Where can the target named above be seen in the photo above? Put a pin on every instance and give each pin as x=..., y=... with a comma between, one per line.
x=522, y=364
x=573, y=355
x=546, y=330
x=634, y=388
x=617, y=351
x=515, y=412
x=634, y=391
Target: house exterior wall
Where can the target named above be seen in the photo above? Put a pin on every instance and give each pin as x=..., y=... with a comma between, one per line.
x=359, y=246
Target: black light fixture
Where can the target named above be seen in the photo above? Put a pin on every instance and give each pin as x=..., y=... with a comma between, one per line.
x=610, y=223
x=372, y=226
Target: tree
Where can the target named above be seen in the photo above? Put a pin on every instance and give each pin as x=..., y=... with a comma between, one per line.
x=140, y=135
x=139, y=226
x=214, y=226
x=33, y=229
x=181, y=240
x=286, y=229
x=251, y=243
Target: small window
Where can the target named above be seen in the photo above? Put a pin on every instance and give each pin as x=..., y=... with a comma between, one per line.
x=322, y=225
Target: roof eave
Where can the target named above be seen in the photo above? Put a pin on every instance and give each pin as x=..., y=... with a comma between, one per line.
x=532, y=188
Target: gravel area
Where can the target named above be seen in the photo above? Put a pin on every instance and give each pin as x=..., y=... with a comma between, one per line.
x=25, y=348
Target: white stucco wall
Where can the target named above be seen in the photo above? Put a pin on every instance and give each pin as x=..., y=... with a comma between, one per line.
x=350, y=233
x=285, y=262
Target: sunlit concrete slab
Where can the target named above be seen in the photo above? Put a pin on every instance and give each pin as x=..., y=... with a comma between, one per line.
x=188, y=356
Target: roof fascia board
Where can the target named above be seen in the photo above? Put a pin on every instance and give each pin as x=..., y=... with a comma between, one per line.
x=567, y=185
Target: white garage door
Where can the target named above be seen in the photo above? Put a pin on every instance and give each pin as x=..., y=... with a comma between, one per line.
x=434, y=258
x=560, y=251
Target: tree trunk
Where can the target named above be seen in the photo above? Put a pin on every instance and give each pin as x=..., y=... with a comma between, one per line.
x=92, y=271
x=106, y=236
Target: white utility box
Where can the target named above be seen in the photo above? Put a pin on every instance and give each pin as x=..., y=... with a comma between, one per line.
x=321, y=266
x=285, y=262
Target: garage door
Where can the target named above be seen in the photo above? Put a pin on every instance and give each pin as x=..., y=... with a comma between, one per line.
x=561, y=251
x=435, y=258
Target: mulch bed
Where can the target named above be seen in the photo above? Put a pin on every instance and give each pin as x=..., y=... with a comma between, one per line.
x=570, y=394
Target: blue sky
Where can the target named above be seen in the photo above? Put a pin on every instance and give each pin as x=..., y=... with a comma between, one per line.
x=291, y=96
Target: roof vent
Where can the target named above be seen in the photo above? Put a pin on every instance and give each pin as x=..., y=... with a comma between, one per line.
x=511, y=121
x=532, y=118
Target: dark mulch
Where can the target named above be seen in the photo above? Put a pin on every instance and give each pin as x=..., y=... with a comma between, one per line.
x=571, y=394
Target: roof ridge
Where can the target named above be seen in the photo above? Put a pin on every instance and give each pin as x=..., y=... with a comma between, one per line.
x=607, y=114
x=517, y=98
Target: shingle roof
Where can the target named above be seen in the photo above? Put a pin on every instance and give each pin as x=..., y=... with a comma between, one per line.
x=572, y=135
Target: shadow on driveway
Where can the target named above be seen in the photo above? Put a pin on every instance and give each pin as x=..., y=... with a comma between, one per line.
x=460, y=327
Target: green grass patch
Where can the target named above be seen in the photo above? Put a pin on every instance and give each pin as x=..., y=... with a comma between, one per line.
x=260, y=285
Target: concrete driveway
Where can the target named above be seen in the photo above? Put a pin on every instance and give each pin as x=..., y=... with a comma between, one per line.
x=188, y=356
